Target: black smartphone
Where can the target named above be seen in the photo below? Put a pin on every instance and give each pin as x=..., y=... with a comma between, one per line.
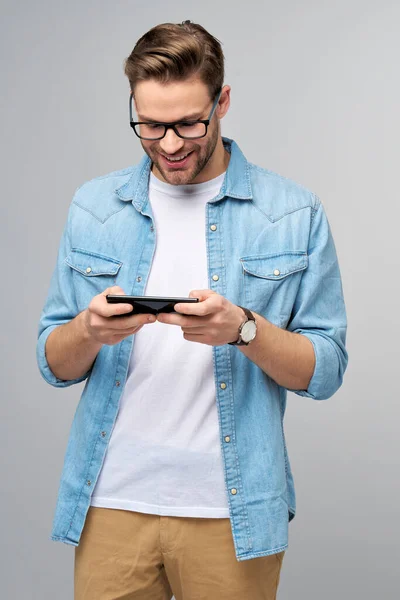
x=147, y=304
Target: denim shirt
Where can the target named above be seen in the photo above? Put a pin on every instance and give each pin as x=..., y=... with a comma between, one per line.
x=272, y=251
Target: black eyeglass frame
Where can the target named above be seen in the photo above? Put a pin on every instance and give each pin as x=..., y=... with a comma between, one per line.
x=173, y=124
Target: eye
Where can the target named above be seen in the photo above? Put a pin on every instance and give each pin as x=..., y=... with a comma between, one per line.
x=153, y=125
x=187, y=123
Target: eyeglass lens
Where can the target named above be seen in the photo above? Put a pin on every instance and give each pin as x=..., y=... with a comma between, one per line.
x=154, y=131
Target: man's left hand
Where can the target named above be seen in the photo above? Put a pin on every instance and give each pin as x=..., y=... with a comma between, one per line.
x=213, y=320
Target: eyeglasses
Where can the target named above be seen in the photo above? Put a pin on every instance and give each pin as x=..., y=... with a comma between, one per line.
x=188, y=130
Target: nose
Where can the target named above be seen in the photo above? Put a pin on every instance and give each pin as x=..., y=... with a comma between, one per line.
x=171, y=143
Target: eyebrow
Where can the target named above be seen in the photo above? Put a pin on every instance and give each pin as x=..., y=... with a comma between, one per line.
x=192, y=117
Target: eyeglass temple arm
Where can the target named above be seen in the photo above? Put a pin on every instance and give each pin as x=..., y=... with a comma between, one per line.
x=130, y=107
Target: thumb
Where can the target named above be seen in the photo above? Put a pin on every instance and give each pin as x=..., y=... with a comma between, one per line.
x=201, y=294
x=116, y=290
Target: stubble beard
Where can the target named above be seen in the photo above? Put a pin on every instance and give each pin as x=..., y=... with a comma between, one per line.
x=185, y=176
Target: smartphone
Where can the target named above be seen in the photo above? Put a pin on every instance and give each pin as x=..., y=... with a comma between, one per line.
x=147, y=304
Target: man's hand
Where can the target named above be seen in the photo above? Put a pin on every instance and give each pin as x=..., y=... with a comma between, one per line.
x=102, y=328
x=213, y=320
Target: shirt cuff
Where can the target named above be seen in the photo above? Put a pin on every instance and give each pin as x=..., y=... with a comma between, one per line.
x=43, y=365
x=327, y=376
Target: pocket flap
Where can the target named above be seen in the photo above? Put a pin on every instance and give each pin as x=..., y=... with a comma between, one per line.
x=275, y=266
x=91, y=264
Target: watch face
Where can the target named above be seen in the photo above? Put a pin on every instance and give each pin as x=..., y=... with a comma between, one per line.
x=248, y=332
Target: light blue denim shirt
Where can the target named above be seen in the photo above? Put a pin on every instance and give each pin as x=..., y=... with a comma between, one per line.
x=273, y=252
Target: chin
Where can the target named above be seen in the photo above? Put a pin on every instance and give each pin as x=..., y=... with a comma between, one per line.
x=176, y=177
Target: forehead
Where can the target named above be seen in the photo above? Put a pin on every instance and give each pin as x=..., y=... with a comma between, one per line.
x=170, y=101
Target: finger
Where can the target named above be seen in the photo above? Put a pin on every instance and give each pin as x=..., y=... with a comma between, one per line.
x=191, y=337
x=199, y=309
x=182, y=321
x=195, y=330
x=101, y=316
x=121, y=335
x=201, y=294
x=113, y=290
x=100, y=306
x=118, y=308
x=129, y=323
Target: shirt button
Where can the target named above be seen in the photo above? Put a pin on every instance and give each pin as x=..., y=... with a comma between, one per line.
x=277, y=272
x=88, y=270
x=103, y=434
x=213, y=228
x=151, y=227
x=223, y=386
x=215, y=277
x=139, y=279
x=89, y=483
x=227, y=438
x=118, y=383
x=233, y=491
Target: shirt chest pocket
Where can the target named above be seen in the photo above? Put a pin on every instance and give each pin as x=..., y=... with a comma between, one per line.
x=271, y=283
x=92, y=273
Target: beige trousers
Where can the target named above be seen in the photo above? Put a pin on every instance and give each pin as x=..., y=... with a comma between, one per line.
x=126, y=555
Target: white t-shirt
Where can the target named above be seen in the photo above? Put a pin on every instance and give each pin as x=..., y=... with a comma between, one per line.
x=164, y=455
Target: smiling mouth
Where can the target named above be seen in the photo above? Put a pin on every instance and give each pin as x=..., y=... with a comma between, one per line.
x=176, y=162
x=176, y=158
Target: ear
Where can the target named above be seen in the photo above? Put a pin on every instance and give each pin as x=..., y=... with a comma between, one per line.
x=224, y=102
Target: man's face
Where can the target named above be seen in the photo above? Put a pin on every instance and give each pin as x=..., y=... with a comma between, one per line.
x=177, y=101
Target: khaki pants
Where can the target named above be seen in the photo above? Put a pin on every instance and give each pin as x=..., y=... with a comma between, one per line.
x=126, y=555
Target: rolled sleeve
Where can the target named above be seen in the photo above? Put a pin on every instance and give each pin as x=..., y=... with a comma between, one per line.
x=43, y=365
x=319, y=312
x=60, y=308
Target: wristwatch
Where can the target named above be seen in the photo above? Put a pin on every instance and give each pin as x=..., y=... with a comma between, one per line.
x=247, y=330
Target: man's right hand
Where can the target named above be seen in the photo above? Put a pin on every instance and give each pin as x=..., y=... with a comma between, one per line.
x=100, y=325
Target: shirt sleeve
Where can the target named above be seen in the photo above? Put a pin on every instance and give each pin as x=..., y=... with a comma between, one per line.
x=319, y=312
x=60, y=308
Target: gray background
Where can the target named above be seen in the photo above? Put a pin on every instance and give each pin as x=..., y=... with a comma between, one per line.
x=315, y=97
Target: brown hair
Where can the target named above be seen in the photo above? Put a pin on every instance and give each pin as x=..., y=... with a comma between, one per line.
x=175, y=52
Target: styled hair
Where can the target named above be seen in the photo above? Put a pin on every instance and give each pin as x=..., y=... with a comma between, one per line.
x=176, y=52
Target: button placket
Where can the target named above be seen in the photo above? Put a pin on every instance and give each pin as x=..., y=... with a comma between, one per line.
x=222, y=385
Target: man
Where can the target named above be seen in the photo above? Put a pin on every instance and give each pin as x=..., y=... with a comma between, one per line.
x=176, y=477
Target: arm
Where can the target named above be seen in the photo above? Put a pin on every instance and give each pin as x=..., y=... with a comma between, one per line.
x=288, y=358
x=59, y=310
x=70, y=350
x=318, y=316
x=310, y=356
x=69, y=340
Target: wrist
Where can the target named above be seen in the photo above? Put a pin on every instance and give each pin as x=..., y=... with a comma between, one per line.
x=83, y=319
x=247, y=328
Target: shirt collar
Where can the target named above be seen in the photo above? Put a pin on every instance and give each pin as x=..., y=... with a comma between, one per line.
x=236, y=183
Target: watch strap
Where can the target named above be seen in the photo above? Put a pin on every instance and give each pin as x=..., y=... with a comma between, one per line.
x=250, y=317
